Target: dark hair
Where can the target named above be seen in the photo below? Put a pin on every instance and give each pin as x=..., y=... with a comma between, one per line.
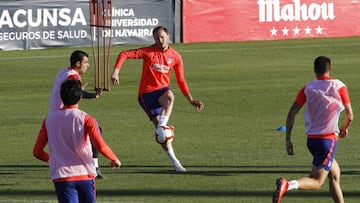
x=321, y=65
x=71, y=92
x=77, y=56
x=155, y=30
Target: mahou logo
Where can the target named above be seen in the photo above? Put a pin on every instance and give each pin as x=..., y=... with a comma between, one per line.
x=296, y=18
x=273, y=11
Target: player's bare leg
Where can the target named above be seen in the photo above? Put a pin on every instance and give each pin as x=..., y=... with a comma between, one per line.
x=167, y=101
x=315, y=181
x=334, y=183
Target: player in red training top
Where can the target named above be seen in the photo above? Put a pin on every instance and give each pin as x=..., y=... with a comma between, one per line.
x=155, y=95
x=325, y=98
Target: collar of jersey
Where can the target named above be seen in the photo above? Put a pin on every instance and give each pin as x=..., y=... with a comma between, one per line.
x=69, y=107
x=324, y=77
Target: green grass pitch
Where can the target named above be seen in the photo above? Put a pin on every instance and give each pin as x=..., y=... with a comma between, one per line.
x=231, y=149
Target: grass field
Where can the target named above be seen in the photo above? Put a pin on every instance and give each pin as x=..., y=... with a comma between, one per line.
x=231, y=149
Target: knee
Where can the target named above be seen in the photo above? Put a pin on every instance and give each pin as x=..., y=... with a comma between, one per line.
x=334, y=177
x=318, y=185
x=317, y=182
x=167, y=97
x=334, y=174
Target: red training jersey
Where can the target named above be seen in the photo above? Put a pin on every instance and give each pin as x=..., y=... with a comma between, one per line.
x=156, y=69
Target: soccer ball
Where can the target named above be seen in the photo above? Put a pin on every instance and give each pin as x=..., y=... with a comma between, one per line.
x=164, y=134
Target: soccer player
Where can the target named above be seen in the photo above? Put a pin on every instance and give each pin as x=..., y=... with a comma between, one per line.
x=79, y=63
x=68, y=132
x=154, y=94
x=325, y=98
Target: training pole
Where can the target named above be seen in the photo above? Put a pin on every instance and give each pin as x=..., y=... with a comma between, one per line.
x=100, y=29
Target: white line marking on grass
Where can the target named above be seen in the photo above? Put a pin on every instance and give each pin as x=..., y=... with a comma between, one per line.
x=269, y=48
x=205, y=50
x=40, y=57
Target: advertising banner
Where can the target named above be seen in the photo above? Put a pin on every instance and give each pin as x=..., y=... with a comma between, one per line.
x=37, y=24
x=237, y=20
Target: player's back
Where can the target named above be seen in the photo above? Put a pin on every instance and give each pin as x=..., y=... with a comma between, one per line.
x=323, y=106
x=70, y=150
x=55, y=101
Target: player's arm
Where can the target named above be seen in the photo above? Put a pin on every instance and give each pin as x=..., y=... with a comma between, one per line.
x=349, y=116
x=41, y=142
x=180, y=80
x=290, y=120
x=120, y=60
x=85, y=94
x=92, y=129
x=90, y=95
x=196, y=103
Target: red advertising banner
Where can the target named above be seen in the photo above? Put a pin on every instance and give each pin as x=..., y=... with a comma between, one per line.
x=240, y=20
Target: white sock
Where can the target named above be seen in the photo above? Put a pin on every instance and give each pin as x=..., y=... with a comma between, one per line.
x=96, y=161
x=293, y=185
x=163, y=120
x=172, y=156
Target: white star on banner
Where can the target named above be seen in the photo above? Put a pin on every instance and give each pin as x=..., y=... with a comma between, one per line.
x=273, y=31
x=285, y=31
x=296, y=31
x=307, y=30
x=319, y=30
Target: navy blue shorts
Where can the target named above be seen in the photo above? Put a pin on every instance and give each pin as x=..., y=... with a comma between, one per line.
x=150, y=102
x=76, y=191
x=323, y=151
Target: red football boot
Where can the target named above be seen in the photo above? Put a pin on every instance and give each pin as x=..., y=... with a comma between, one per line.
x=281, y=187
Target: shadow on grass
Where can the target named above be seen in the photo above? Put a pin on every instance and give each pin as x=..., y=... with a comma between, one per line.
x=233, y=170
x=181, y=193
x=192, y=170
x=218, y=193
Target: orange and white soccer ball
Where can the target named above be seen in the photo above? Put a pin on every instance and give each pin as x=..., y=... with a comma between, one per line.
x=164, y=134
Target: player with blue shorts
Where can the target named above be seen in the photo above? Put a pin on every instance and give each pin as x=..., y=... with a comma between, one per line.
x=150, y=102
x=69, y=134
x=154, y=93
x=325, y=99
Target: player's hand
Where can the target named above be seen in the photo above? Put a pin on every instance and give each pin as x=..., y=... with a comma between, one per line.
x=98, y=92
x=343, y=132
x=289, y=148
x=115, y=164
x=197, y=104
x=115, y=77
x=84, y=86
x=115, y=80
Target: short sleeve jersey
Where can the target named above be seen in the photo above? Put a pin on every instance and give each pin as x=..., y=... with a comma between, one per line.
x=325, y=99
x=156, y=68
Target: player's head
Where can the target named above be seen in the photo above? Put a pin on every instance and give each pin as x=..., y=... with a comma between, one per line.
x=71, y=92
x=80, y=61
x=322, y=64
x=161, y=37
